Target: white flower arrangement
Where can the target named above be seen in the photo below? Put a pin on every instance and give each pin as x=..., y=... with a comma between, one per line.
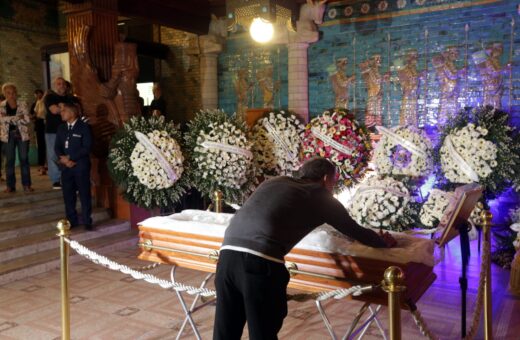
x=146, y=166
x=466, y=156
x=276, y=144
x=515, y=226
x=146, y=162
x=403, y=151
x=227, y=166
x=380, y=203
x=220, y=155
x=434, y=207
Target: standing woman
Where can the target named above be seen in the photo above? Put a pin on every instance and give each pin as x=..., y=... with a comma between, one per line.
x=14, y=133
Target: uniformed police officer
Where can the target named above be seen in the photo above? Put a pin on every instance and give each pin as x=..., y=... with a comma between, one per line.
x=73, y=144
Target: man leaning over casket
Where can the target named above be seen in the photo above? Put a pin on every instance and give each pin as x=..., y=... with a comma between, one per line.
x=251, y=279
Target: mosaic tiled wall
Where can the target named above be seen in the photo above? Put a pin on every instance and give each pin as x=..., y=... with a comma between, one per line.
x=389, y=28
x=25, y=26
x=242, y=53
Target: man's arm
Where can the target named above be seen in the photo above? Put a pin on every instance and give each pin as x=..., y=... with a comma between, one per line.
x=338, y=217
x=58, y=145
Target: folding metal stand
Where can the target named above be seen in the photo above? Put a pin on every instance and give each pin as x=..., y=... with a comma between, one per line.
x=193, y=308
x=354, y=330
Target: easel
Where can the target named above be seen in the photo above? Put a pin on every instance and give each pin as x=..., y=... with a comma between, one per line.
x=455, y=222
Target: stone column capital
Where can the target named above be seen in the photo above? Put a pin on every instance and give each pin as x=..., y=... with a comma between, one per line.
x=211, y=44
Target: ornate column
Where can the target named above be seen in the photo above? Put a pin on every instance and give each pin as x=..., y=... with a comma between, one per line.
x=311, y=14
x=298, y=79
x=102, y=16
x=210, y=47
x=103, y=73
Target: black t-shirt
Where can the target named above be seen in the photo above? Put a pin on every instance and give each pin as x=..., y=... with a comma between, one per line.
x=158, y=104
x=284, y=210
x=52, y=121
x=10, y=112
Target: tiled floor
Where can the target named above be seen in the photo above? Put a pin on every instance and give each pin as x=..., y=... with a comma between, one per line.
x=110, y=305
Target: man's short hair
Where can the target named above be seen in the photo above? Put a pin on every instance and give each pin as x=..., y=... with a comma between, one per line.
x=72, y=107
x=316, y=168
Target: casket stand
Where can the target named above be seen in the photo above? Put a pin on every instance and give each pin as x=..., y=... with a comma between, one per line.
x=190, y=245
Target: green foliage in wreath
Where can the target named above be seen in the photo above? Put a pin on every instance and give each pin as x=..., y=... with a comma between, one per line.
x=138, y=173
x=213, y=169
x=490, y=125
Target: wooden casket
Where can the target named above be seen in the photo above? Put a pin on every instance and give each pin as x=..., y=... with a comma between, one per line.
x=324, y=260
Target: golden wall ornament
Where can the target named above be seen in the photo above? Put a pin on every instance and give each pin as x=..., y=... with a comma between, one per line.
x=242, y=87
x=409, y=78
x=492, y=73
x=449, y=77
x=341, y=84
x=267, y=85
x=374, y=81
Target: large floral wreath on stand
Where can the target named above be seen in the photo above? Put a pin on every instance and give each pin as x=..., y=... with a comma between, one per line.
x=276, y=141
x=220, y=156
x=478, y=145
x=403, y=151
x=381, y=203
x=146, y=161
x=337, y=136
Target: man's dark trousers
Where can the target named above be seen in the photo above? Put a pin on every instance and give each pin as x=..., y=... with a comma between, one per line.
x=249, y=288
x=77, y=179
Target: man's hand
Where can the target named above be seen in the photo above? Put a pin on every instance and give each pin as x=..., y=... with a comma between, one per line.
x=388, y=239
x=70, y=164
x=64, y=160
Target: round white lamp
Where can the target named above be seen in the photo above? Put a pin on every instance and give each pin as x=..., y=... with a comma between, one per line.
x=261, y=30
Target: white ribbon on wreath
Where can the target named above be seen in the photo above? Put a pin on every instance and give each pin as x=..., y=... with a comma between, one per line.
x=279, y=140
x=227, y=148
x=466, y=168
x=380, y=188
x=402, y=141
x=331, y=142
x=158, y=154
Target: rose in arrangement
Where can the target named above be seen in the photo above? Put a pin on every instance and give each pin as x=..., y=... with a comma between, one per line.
x=380, y=203
x=146, y=162
x=276, y=144
x=220, y=155
x=403, y=151
x=337, y=136
x=479, y=145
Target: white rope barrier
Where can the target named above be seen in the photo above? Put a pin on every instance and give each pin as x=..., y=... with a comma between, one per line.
x=166, y=284
x=112, y=265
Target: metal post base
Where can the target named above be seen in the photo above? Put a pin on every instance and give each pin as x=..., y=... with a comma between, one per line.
x=193, y=308
x=354, y=330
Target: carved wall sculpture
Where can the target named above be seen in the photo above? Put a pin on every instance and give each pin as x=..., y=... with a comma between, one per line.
x=341, y=84
x=492, y=73
x=374, y=83
x=450, y=79
x=409, y=79
x=267, y=85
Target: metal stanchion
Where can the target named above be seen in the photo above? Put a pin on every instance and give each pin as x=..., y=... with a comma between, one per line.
x=488, y=313
x=64, y=231
x=217, y=200
x=393, y=284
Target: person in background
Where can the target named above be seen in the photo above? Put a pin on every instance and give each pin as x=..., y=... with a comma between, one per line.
x=52, y=101
x=251, y=279
x=14, y=133
x=2, y=98
x=38, y=115
x=72, y=146
x=158, y=104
